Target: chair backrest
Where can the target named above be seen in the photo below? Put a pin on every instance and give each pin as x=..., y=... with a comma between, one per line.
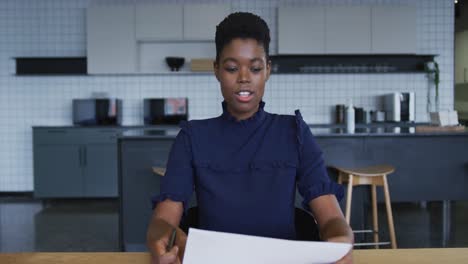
x=306, y=227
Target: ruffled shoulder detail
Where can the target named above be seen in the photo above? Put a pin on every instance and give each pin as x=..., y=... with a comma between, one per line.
x=300, y=125
x=322, y=188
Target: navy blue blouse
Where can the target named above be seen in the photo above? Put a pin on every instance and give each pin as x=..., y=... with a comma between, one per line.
x=245, y=173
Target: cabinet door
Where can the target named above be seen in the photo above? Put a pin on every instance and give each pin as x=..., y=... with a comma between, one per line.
x=100, y=170
x=58, y=171
x=111, y=44
x=158, y=22
x=461, y=57
x=347, y=30
x=310, y=22
x=393, y=30
x=200, y=20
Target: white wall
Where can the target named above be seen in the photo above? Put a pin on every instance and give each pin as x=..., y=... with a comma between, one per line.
x=57, y=28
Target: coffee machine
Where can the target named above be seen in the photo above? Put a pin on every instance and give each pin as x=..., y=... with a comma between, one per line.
x=400, y=107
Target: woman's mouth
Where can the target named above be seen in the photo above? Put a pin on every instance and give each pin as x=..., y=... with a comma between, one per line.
x=244, y=96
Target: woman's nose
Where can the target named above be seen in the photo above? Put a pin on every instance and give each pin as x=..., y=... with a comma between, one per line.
x=244, y=75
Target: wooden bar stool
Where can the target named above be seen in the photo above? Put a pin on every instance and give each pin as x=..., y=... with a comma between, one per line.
x=373, y=176
x=159, y=171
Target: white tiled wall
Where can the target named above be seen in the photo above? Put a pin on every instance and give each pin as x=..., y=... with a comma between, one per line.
x=57, y=28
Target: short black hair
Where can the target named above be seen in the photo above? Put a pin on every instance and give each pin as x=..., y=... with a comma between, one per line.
x=242, y=25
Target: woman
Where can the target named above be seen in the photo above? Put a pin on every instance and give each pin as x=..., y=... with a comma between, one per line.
x=245, y=164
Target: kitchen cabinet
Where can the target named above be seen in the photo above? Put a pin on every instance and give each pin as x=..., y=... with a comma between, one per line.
x=348, y=30
x=111, y=44
x=58, y=170
x=310, y=22
x=461, y=57
x=200, y=20
x=100, y=170
x=156, y=22
x=75, y=162
x=393, y=30
x=138, y=185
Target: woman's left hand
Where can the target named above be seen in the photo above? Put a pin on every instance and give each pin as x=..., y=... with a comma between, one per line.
x=348, y=258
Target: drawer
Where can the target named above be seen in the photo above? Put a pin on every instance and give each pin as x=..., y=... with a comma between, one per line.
x=57, y=136
x=102, y=135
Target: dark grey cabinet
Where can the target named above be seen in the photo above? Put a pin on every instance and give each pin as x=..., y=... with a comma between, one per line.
x=58, y=171
x=75, y=162
x=100, y=170
x=138, y=184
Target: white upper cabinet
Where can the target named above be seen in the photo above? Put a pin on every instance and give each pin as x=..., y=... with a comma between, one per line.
x=200, y=20
x=301, y=30
x=394, y=30
x=111, y=44
x=159, y=22
x=348, y=30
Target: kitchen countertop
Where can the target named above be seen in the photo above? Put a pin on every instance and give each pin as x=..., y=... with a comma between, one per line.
x=373, y=131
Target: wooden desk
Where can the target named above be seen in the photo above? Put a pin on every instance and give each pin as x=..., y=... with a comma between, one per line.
x=381, y=256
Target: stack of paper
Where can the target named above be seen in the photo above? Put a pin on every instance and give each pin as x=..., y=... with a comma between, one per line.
x=218, y=247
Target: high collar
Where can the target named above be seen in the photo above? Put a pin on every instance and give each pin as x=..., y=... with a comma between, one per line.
x=257, y=117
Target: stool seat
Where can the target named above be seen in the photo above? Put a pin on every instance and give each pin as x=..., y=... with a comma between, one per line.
x=371, y=171
x=373, y=176
x=159, y=171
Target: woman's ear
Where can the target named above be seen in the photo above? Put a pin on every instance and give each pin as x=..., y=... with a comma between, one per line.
x=216, y=69
x=268, y=70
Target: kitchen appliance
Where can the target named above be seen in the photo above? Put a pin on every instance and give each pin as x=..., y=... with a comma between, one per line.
x=97, y=112
x=359, y=115
x=339, y=114
x=165, y=110
x=400, y=107
x=377, y=116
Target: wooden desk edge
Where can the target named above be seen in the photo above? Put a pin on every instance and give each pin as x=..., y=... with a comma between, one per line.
x=426, y=255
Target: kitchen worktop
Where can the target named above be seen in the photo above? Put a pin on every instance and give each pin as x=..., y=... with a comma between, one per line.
x=372, y=131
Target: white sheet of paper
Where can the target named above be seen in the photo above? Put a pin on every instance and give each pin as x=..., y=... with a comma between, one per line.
x=218, y=247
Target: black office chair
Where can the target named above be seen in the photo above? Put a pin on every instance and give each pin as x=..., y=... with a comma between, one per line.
x=306, y=227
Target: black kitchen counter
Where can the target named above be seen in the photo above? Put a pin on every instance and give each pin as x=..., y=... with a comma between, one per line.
x=428, y=166
x=372, y=131
x=109, y=127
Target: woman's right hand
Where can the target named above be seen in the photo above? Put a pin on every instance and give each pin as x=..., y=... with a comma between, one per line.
x=157, y=245
x=166, y=217
x=160, y=256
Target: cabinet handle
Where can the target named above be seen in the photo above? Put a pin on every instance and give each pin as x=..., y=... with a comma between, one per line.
x=84, y=156
x=464, y=75
x=80, y=156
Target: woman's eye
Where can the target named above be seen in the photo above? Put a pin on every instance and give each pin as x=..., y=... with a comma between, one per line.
x=256, y=69
x=231, y=69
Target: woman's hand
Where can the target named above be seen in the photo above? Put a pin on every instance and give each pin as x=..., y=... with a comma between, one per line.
x=158, y=247
x=166, y=217
x=333, y=226
x=348, y=258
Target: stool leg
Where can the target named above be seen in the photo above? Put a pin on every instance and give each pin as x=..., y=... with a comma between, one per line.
x=375, y=221
x=348, y=198
x=389, y=213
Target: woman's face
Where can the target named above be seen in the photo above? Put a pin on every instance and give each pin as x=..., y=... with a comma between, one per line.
x=242, y=71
